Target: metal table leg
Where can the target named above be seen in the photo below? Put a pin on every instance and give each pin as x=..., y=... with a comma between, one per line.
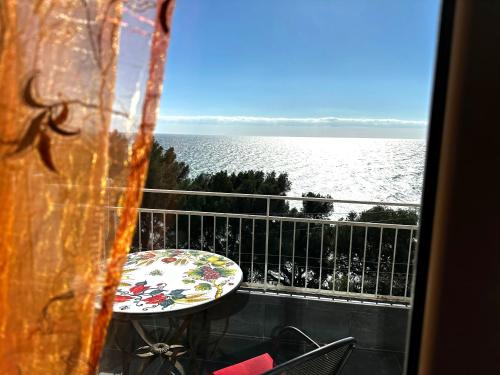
x=170, y=352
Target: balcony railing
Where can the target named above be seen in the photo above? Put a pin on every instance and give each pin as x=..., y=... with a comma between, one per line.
x=324, y=258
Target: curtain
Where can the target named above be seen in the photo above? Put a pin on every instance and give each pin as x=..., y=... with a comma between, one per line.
x=80, y=88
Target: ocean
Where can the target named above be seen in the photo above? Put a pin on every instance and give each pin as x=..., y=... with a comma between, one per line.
x=370, y=169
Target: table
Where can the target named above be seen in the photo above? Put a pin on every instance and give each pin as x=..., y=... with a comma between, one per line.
x=172, y=283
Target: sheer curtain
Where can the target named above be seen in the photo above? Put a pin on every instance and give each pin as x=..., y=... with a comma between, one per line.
x=81, y=83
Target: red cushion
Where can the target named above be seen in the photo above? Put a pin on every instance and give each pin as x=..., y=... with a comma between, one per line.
x=254, y=366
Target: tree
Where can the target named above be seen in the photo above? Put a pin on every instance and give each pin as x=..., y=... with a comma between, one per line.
x=316, y=210
x=246, y=182
x=381, y=214
x=164, y=172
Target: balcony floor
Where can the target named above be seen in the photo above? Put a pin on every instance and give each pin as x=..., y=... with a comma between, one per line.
x=240, y=327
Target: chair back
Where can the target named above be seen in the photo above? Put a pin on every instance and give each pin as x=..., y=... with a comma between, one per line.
x=326, y=360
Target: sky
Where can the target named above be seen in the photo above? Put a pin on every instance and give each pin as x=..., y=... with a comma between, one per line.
x=300, y=68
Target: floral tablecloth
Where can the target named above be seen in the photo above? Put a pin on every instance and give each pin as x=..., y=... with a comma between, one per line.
x=170, y=280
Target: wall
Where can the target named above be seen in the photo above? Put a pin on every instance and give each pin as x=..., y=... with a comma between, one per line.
x=380, y=331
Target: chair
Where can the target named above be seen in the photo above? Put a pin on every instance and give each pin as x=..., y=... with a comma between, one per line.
x=321, y=360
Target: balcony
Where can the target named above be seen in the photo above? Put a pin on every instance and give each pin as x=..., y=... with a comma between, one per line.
x=331, y=277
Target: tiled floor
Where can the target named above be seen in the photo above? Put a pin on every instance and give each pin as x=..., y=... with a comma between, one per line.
x=361, y=362
x=122, y=339
x=112, y=364
x=240, y=328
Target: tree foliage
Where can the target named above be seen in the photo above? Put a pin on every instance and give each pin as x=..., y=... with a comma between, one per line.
x=315, y=209
x=164, y=172
x=246, y=182
x=381, y=214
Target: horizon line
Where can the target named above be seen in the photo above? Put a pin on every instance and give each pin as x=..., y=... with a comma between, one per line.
x=324, y=120
x=422, y=138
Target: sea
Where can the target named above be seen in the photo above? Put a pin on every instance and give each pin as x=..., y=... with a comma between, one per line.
x=367, y=169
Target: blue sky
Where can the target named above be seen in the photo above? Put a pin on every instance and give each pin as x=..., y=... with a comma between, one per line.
x=295, y=67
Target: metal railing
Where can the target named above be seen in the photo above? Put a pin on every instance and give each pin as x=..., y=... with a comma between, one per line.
x=304, y=256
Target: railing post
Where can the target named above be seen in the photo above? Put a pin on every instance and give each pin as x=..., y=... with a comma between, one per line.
x=201, y=232
x=140, y=232
x=189, y=232
x=293, y=252
x=176, y=231
x=349, y=260
x=253, y=251
x=164, y=231
x=378, y=261
x=335, y=257
x=393, y=259
x=152, y=234
x=227, y=236
x=215, y=234
x=408, y=263
x=279, y=252
x=364, y=262
x=239, y=245
x=307, y=255
x=268, y=209
x=321, y=257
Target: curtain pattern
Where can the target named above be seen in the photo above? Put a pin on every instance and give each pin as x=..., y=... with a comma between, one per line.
x=81, y=82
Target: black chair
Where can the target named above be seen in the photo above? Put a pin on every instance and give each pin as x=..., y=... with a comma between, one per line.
x=295, y=353
x=321, y=360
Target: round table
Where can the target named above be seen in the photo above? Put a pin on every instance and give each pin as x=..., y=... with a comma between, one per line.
x=172, y=282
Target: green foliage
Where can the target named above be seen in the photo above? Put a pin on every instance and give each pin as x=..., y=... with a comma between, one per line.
x=164, y=172
x=380, y=214
x=316, y=210
x=247, y=182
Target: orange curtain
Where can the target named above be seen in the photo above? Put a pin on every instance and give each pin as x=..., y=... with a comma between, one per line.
x=81, y=82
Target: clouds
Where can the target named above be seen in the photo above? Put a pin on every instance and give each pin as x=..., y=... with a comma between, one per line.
x=330, y=126
x=256, y=120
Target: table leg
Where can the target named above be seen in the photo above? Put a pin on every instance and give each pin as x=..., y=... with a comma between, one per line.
x=169, y=351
